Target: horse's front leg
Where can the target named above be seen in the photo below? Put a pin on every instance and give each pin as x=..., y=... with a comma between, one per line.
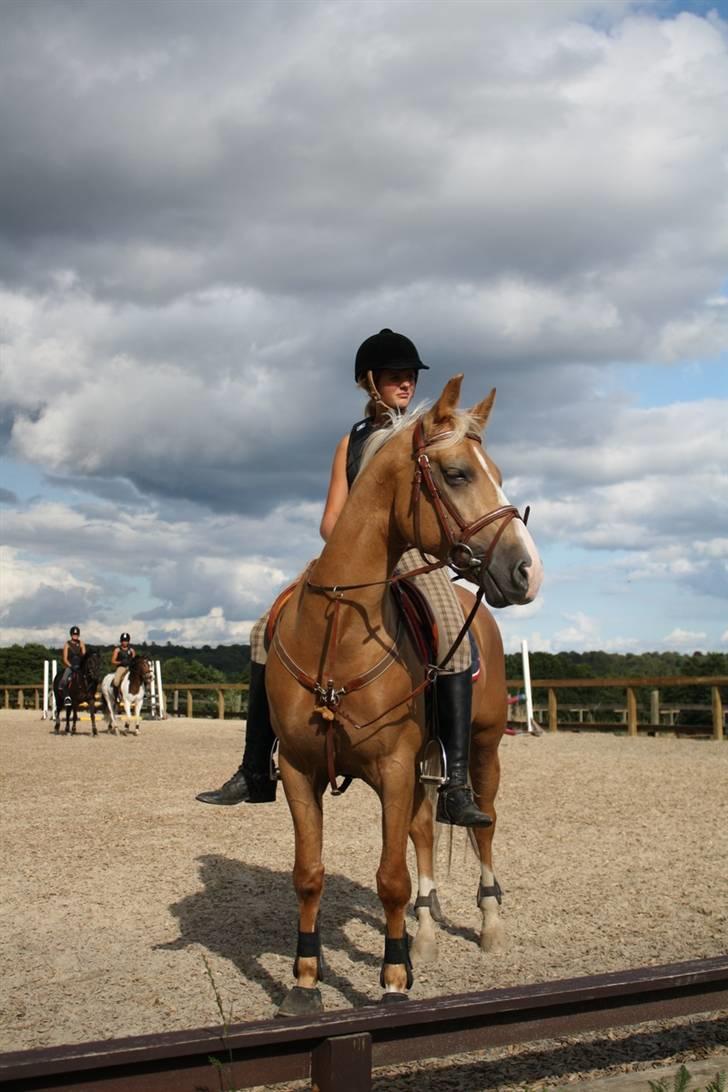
x=485, y=775
x=137, y=715
x=127, y=711
x=304, y=802
x=393, y=878
x=427, y=907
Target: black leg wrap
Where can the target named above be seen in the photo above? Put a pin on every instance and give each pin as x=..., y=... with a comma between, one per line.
x=494, y=892
x=308, y=947
x=396, y=950
x=432, y=903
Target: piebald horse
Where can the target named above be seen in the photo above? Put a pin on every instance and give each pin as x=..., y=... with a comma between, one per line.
x=346, y=688
x=131, y=695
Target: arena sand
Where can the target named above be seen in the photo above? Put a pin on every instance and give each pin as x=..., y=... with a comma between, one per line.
x=123, y=899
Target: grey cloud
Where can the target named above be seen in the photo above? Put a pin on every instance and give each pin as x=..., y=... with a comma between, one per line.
x=49, y=606
x=7, y=496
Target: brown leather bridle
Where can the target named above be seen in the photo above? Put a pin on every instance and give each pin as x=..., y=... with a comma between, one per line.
x=460, y=555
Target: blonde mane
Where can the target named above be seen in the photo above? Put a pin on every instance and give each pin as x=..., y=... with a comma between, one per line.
x=399, y=422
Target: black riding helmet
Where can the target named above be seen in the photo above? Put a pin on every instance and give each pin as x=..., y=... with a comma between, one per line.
x=124, y=637
x=75, y=631
x=386, y=350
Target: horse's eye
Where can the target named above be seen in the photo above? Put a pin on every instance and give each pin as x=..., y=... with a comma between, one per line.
x=455, y=475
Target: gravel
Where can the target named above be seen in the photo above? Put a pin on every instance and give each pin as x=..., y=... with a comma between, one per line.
x=130, y=908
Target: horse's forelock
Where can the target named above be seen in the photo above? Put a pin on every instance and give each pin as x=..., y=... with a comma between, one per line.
x=464, y=423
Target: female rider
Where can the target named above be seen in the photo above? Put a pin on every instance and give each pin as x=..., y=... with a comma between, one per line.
x=121, y=659
x=386, y=367
x=73, y=651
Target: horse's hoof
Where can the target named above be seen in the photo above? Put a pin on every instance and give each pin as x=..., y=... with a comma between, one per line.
x=391, y=998
x=301, y=1002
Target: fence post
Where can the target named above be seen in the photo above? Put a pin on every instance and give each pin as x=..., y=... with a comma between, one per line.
x=654, y=707
x=343, y=1061
x=189, y=703
x=221, y=704
x=36, y=698
x=21, y=699
x=631, y=712
x=553, y=711
x=175, y=703
x=717, y=713
x=7, y=698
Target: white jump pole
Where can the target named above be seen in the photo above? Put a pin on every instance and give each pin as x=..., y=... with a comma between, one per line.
x=527, y=684
x=46, y=677
x=160, y=691
x=153, y=692
x=54, y=672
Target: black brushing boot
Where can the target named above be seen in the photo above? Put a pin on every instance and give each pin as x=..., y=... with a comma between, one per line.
x=455, y=804
x=251, y=783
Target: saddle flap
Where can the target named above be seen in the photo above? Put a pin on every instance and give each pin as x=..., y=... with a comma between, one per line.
x=418, y=618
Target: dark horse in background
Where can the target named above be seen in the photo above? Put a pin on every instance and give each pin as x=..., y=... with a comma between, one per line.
x=81, y=687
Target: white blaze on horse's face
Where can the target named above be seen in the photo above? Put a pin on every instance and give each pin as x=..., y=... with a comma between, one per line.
x=533, y=570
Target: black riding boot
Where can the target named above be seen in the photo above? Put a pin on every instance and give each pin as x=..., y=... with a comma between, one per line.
x=455, y=804
x=251, y=783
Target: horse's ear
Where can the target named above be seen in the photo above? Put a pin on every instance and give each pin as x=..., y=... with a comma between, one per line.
x=444, y=408
x=481, y=412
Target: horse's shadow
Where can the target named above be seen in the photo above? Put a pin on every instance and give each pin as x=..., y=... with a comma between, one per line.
x=246, y=911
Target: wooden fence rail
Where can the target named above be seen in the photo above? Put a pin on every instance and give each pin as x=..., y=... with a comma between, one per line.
x=628, y=707
x=337, y=1050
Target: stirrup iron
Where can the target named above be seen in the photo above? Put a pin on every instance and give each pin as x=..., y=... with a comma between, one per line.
x=434, y=759
x=273, y=771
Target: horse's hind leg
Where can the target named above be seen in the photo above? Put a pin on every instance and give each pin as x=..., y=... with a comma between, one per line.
x=304, y=801
x=427, y=908
x=485, y=774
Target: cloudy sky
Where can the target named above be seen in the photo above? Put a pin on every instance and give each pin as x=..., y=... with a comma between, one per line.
x=205, y=206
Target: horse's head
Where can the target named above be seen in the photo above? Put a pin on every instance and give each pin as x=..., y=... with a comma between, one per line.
x=91, y=663
x=452, y=505
x=142, y=667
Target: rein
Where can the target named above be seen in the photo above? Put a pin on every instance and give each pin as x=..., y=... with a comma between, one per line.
x=460, y=557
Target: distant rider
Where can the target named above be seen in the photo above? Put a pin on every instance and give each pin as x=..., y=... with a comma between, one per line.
x=73, y=652
x=121, y=659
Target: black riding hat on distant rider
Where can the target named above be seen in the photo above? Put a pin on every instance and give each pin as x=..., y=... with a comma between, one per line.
x=124, y=637
x=386, y=349
x=74, y=631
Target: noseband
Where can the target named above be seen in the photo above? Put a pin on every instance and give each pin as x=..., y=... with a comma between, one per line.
x=460, y=555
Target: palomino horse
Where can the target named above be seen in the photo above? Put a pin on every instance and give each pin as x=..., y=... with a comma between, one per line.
x=345, y=686
x=131, y=695
x=81, y=687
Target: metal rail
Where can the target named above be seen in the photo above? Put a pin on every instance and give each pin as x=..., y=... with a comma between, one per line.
x=337, y=1050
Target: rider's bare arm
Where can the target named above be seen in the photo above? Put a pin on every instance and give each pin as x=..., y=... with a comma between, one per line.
x=66, y=661
x=338, y=489
x=83, y=648
x=115, y=657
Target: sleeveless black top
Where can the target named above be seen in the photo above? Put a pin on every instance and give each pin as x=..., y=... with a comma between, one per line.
x=359, y=434
x=74, y=656
x=125, y=657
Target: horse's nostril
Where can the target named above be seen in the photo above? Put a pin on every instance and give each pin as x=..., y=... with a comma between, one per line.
x=520, y=575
